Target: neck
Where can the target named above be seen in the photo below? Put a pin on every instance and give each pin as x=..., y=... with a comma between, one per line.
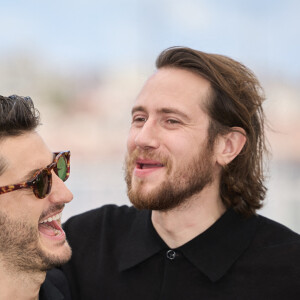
x=19, y=285
x=180, y=225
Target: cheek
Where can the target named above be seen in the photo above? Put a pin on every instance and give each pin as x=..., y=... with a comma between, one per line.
x=22, y=205
x=131, y=141
x=183, y=149
x=180, y=145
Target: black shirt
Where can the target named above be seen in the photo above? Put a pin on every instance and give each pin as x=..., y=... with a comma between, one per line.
x=117, y=254
x=55, y=287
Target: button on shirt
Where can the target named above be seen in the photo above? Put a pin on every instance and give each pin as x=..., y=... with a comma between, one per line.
x=171, y=254
x=117, y=254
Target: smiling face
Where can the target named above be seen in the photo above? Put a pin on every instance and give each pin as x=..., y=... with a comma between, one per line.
x=30, y=229
x=169, y=159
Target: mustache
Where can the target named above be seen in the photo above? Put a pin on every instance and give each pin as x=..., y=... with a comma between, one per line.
x=51, y=210
x=146, y=154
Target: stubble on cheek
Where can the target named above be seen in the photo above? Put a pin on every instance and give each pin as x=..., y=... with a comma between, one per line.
x=20, y=247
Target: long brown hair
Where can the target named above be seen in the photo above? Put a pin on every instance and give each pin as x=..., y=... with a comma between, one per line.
x=235, y=101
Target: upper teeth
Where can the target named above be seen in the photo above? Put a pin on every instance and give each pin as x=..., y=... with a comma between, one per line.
x=55, y=217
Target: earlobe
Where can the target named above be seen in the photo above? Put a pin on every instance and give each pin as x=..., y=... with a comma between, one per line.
x=230, y=145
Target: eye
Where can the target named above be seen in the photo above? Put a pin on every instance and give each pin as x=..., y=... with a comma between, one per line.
x=172, y=121
x=138, y=119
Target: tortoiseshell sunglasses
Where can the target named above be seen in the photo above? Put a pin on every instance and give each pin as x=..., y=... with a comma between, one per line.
x=42, y=180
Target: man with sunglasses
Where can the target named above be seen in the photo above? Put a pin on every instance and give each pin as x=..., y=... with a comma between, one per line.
x=194, y=172
x=32, y=198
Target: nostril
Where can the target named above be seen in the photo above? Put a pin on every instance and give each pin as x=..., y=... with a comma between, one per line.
x=145, y=142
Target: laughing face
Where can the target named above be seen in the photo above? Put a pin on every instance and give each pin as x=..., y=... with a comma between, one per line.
x=169, y=159
x=30, y=228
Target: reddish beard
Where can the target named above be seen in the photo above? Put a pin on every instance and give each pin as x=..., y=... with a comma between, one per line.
x=179, y=185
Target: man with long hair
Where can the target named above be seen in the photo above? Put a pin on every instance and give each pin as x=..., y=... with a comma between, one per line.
x=32, y=198
x=195, y=177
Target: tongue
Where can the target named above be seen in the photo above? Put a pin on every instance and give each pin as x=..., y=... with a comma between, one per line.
x=49, y=228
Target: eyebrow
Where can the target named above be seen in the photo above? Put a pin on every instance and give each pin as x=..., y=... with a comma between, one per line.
x=165, y=110
x=31, y=173
x=3, y=165
x=174, y=111
x=137, y=108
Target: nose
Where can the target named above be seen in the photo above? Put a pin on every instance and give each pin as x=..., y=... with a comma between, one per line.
x=147, y=136
x=59, y=194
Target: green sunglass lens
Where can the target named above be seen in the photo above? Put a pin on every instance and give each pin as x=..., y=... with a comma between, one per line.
x=62, y=168
x=42, y=185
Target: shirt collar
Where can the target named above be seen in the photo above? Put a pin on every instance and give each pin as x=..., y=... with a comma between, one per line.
x=49, y=291
x=213, y=252
x=142, y=241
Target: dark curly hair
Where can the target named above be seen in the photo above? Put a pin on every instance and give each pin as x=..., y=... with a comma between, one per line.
x=235, y=101
x=17, y=115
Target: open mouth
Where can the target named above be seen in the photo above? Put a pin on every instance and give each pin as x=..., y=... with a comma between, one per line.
x=148, y=165
x=51, y=226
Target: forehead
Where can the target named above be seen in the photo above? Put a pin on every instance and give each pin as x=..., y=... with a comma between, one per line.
x=23, y=154
x=171, y=87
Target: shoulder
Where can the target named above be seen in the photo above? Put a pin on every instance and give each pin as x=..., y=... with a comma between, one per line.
x=104, y=214
x=273, y=239
x=103, y=221
x=275, y=233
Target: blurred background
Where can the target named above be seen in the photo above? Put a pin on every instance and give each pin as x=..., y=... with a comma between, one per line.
x=83, y=63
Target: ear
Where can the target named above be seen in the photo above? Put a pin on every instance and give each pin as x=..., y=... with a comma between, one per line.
x=230, y=145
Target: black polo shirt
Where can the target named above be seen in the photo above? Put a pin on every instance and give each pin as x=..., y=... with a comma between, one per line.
x=117, y=254
x=55, y=287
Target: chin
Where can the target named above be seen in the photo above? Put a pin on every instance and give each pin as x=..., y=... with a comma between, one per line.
x=144, y=188
x=55, y=255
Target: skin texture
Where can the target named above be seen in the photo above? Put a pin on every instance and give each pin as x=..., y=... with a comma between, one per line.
x=169, y=126
x=25, y=253
x=165, y=125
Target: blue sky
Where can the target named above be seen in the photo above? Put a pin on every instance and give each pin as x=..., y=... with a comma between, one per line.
x=264, y=34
